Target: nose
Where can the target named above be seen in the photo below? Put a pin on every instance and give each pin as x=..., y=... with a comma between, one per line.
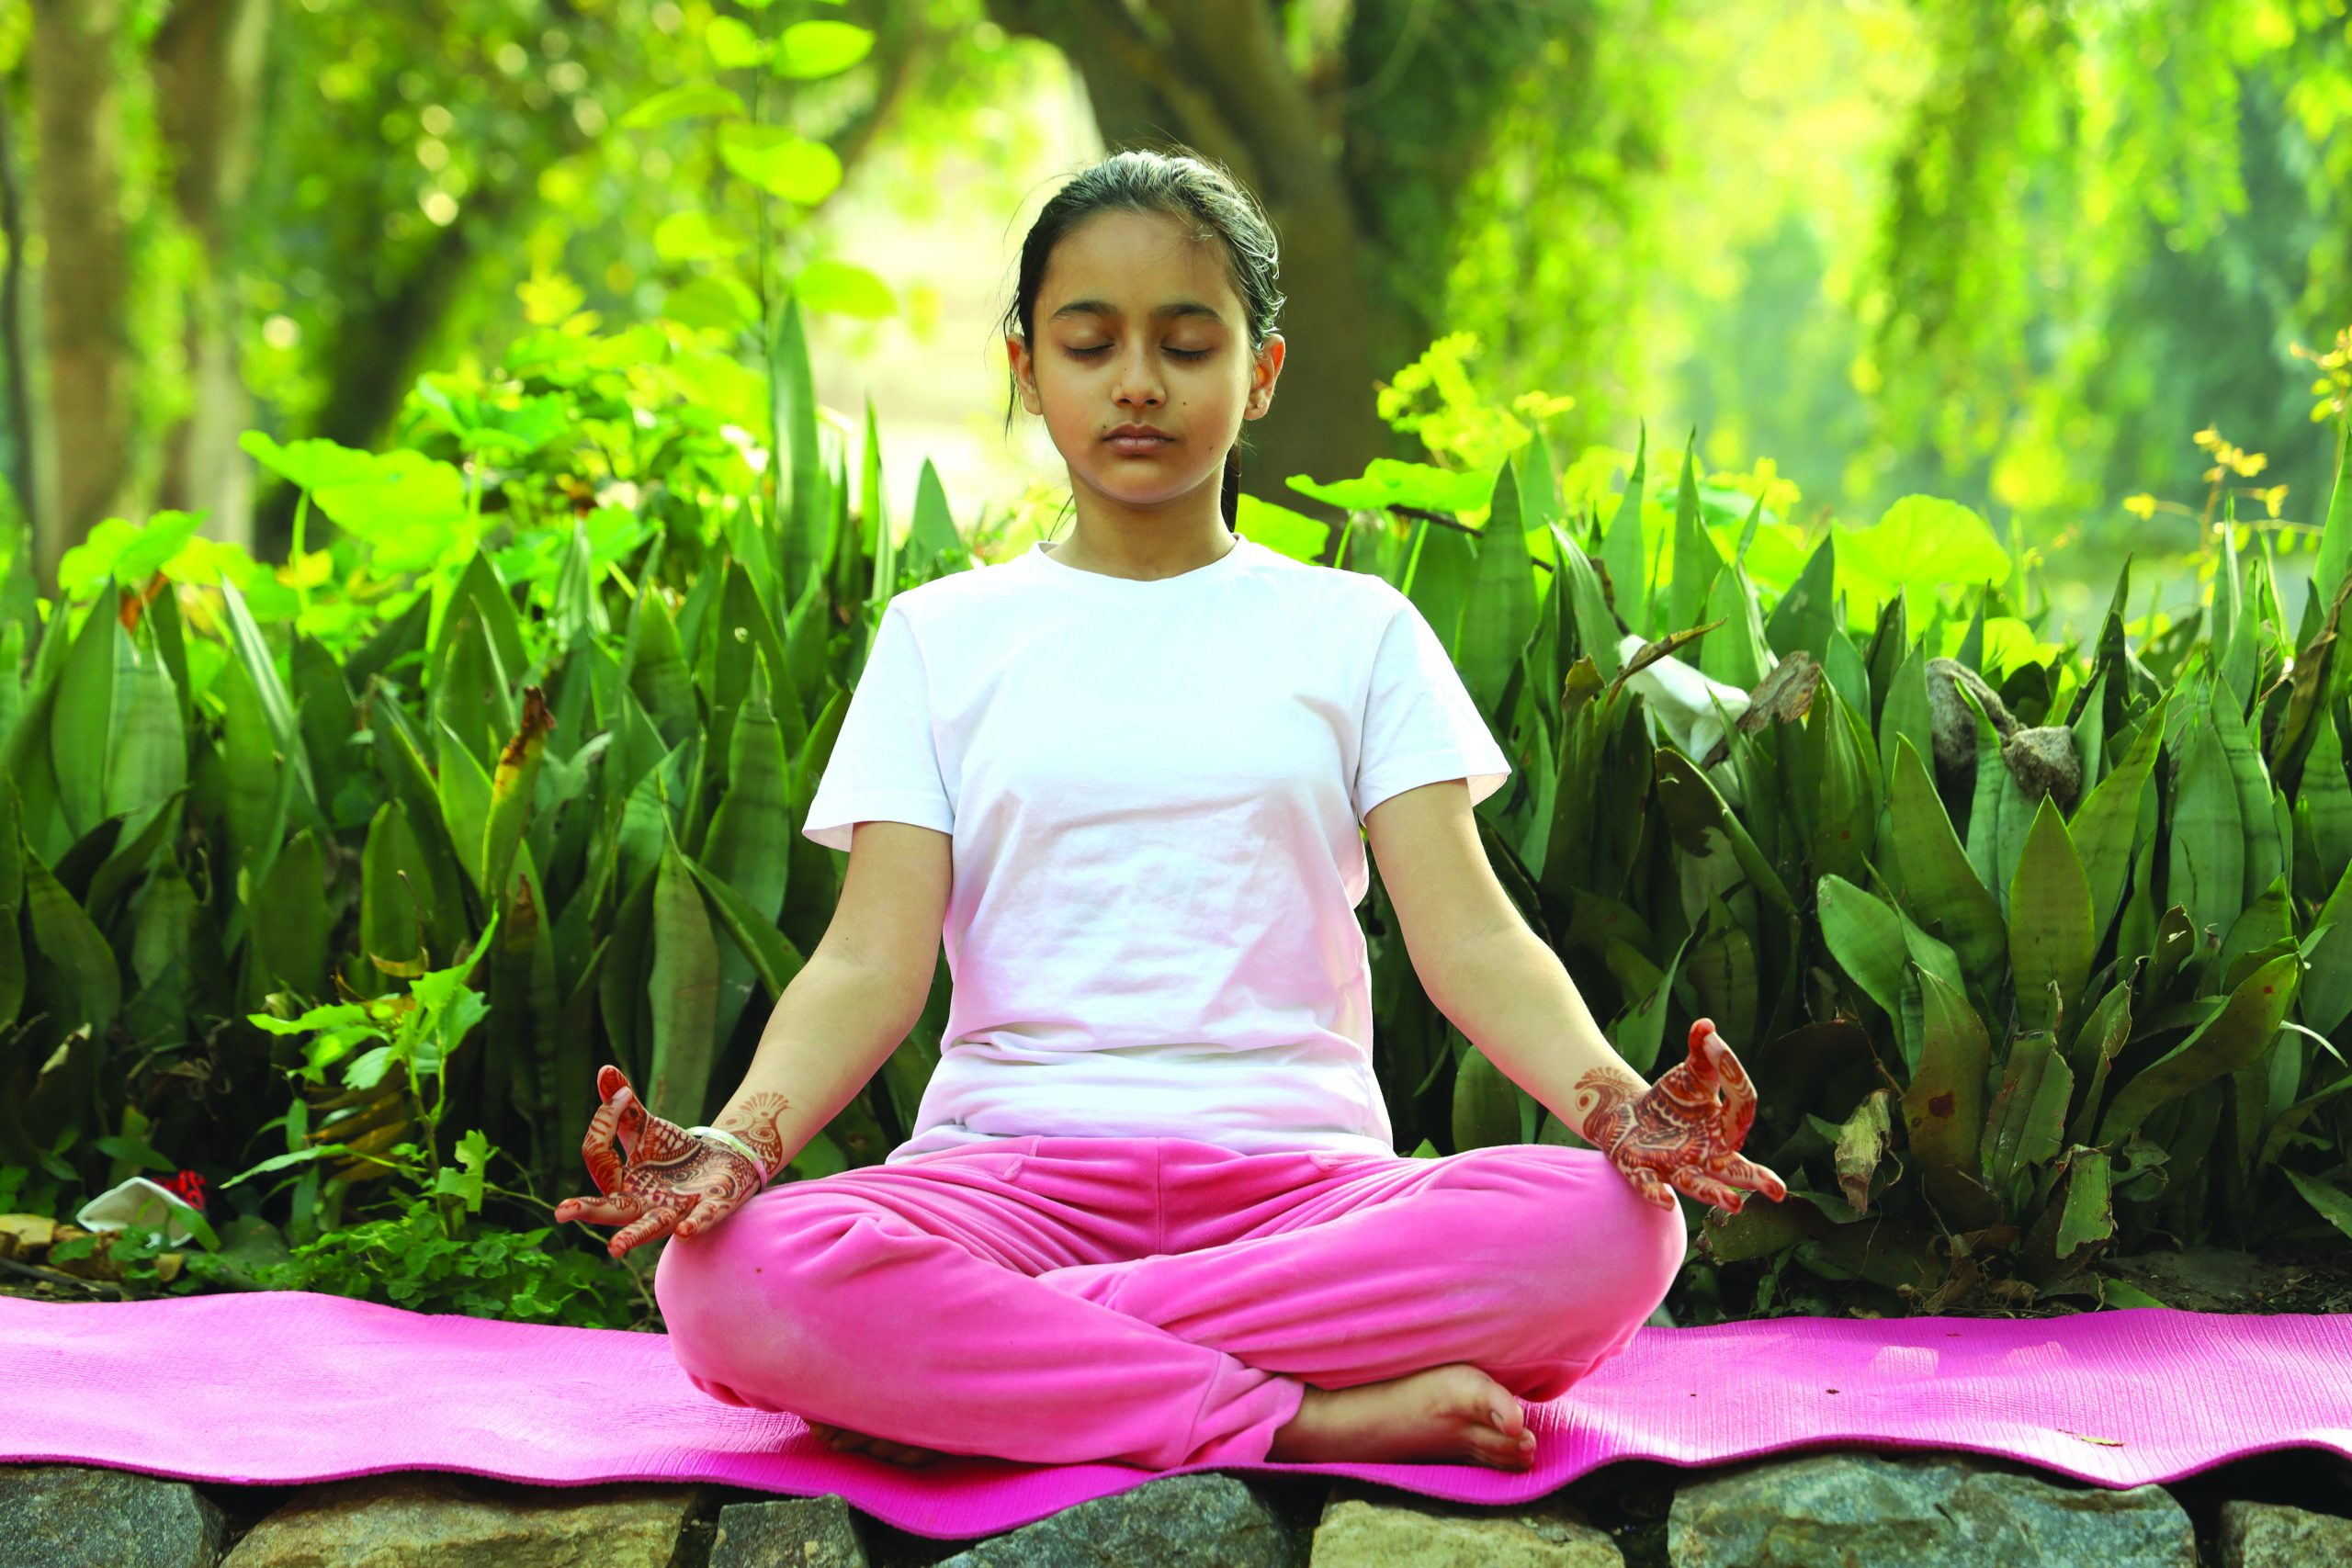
x=1138, y=384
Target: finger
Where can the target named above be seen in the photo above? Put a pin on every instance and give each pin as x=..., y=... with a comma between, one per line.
x=631, y=1114
x=617, y=1210
x=1747, y=1173
x=596, y=1149
x=1739, y=1089
x=1691, y=1179
x=706, y=1213
x=1707, y=1064
x=1646, y=1183
x=654, y=1223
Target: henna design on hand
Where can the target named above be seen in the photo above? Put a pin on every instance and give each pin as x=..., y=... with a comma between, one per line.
x=754, y=1120
x=1677, y=1133
x=665, y=1178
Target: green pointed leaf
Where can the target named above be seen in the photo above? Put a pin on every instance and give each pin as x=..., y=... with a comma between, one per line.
x=2106, y=826
x=2051, y=940
x=1943, y=1105
x=2208, y=839
x=1937, y=877
x=1866, y=939
x=2233, y=1037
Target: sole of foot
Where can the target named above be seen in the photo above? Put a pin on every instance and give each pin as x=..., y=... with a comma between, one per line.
x=841, y=1439
x=1455, y=1412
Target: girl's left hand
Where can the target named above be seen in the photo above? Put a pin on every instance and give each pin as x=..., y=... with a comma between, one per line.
x=1681, y=1135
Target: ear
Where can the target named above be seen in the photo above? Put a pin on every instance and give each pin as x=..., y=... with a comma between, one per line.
x=1267, y=369
x=1025, y=372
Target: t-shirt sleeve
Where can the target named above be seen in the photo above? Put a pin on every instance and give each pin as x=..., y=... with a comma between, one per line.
x=885, y=764
x=1419, y=722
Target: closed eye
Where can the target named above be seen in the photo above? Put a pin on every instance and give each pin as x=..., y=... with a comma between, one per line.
x=1105, y=348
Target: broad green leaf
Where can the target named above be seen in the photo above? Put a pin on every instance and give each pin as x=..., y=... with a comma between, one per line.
x=732, y=44
x=844, y=289
x=684, y=984
x=1937, y=877
x=1866, y=939
x=2236, y=1035
x=2335, y=537
x=2208, y=839
x=2333, y=1202
x=1922, y=540
x=2327, y=989
x=1696, y=559
x=691, y=234
x=2106, y=824
x=2051, y=937
x=1807, y=613
x=1943, y=1105
x=806, y=50
x=779, y=160
x=1622, y=550
x=2325, y=790
x=2089, y=1215
x=2265, y=854
x=2026, y=1121
x=2000, y=815
x=690, y=101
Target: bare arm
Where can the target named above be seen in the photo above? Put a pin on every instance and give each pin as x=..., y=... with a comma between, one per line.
x=836, y=1023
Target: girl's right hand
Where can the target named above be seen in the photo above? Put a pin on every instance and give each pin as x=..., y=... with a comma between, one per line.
x=665, y=1178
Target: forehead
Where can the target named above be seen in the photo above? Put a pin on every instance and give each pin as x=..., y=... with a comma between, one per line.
x=1137, y=264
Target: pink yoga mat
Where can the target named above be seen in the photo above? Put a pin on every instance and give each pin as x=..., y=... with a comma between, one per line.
x=288, y=1387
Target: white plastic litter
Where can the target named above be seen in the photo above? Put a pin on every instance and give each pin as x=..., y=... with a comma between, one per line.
x=1676, y=698
x=138, y=1201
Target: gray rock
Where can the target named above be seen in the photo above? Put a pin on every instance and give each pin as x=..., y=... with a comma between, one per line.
x=1931, y=1511
x=808, y=1532
x=74, y=1516
x=1202, y=1520
x=1366, y=1530
x=1954, y=727
x=2043, y=762
x=388, y=1522
x=2272, y=1535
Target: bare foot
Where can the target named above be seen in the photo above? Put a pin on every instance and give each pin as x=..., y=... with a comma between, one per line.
x=841, y=1439
x=1453, y=1412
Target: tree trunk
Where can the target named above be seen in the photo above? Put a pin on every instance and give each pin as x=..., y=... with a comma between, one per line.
x=76, y=104
x=1213, y=75
x=207, y=65
x=27, y=474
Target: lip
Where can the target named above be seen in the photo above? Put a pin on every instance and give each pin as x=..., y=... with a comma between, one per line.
x=1136, y=445
x=1136, y=430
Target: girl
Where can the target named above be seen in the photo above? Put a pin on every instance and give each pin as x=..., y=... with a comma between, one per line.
x=1151, y=1210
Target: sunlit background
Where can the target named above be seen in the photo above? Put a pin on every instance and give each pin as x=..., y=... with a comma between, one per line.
x=2045, y=259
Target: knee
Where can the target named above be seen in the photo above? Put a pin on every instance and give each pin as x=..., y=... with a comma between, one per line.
x=750, y=1290
x=1582, y=1232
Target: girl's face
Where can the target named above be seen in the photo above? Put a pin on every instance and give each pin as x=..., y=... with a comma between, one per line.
x=1138, y=324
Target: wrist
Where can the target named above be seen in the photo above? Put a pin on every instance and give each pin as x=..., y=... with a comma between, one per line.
x=1602, y=1107
x=731, y=1141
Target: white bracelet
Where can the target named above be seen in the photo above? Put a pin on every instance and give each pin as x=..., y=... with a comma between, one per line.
x=740, y=1146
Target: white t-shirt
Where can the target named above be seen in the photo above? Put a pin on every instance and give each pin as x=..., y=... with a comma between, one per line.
x=1155, y=792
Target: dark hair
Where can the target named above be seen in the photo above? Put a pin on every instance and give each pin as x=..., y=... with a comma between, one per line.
x=1185, y=186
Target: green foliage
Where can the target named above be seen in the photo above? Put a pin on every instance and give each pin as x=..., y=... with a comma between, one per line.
x=513, y=765
x=408, y=1260
x=2074, y=902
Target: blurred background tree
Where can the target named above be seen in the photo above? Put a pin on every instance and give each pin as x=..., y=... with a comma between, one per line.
x=2014, y=253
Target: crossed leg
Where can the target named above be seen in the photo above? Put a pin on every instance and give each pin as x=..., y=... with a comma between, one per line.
x=1167, y=1301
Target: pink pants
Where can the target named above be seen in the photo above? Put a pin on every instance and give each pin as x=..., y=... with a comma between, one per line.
x=1157, y=1302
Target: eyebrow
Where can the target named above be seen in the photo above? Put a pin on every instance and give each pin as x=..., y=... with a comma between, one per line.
x=1104, y=308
